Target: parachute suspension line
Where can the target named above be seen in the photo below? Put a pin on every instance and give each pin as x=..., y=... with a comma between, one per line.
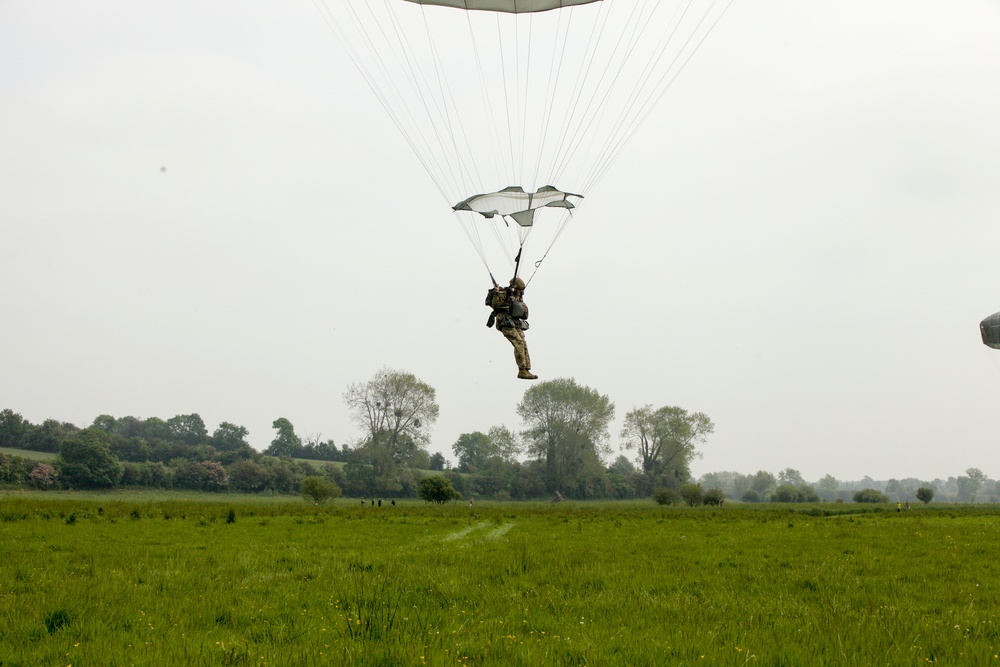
x=558, y=54
x=506, y=99
x=419, y=82
x=662, y=86
x=593, y=107
x=527, y=103
x=577, y=91
x=567, y=216
x=367, y=73
x=488, y=107
x=464, y=174
x=640, y=22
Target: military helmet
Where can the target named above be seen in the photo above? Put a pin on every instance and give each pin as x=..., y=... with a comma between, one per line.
x=517, y=283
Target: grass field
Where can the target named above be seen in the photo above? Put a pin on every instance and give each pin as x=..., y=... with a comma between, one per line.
x=206, y=580
x=29, y=454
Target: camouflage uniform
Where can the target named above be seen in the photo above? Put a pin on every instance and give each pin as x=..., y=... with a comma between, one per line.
x=514, y=334
x=511, y=329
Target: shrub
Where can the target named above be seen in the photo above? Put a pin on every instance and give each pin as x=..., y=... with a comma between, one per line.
x=692, y=494
x=925, y=494
x=437, y=489
x=87, y=462
x=786, y=493
x=318, y=490
x=248, y=476
x=665, y=496
x=870, y=496
x=751, y=496
x=714, y=497
x=42, y=475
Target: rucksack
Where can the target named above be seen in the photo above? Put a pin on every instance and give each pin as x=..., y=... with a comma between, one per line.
x=498, y=298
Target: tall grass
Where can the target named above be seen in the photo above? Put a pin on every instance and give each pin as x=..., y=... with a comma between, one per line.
x=127, y=580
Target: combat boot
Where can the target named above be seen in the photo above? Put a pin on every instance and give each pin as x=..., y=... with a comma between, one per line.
x=526, y=375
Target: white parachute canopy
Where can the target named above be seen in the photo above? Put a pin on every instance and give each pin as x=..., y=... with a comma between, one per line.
x=516, y=203
x=518, y=98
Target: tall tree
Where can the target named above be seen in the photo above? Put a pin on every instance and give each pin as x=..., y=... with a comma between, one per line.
x=666, y=440
x=189, y=429
x=285, y=443
x=87, y=461
x=473, y=451
x=566, y=426
x=790, y=476
x=228, y=437
x=827, y=487
x=504, y=443
x=396, y=411
x=14, y=429
x=969, y=484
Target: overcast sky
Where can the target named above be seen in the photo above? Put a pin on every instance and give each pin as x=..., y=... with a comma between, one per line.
x=204, y=209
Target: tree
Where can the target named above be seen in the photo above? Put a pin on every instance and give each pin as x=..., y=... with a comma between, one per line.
x=504, y=443
x=870, y=496
x=714, y=497
x=785, y=493
x=665, y=439
x=13, y=429
x=665, y=496
x=968, y=485
x=473, y=450
x=925, y=494
x=318, y=490
x=230, y=437
x=396, y=410
x=622, y=466
x=438, y=461
x=248, y=476
x=285, y=443
x=566, y=427
x=763, y=483
x=87, y=461
x=692, y=494
x=827, y=487
x=790, y=476
x=437, y=489
x=189, y=429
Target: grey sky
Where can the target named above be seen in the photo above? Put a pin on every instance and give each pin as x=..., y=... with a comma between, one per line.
x=204, y=209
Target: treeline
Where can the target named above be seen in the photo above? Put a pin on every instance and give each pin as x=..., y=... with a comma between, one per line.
x=560, y=450
x=788, y=486
x=177, y=453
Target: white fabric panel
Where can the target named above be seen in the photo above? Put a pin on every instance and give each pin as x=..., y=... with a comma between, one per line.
x=516, y=203
x=509, y=6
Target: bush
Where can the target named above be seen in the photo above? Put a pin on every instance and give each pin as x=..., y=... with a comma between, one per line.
x=87, y=462
x=714, y=497
x=319, y=490
x=925, y=494
x=751, y=496
x=437, y=489
x=664, y=496
x=692, y=494
x=248, y=476
x=870, y=496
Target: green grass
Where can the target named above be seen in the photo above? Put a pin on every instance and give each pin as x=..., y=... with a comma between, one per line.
x=204, y=580
x=29, y=454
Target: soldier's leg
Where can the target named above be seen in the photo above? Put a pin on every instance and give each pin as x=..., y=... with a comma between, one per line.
x=516, y=338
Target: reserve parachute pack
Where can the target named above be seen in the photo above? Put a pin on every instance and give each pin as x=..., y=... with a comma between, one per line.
x=498, y=298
